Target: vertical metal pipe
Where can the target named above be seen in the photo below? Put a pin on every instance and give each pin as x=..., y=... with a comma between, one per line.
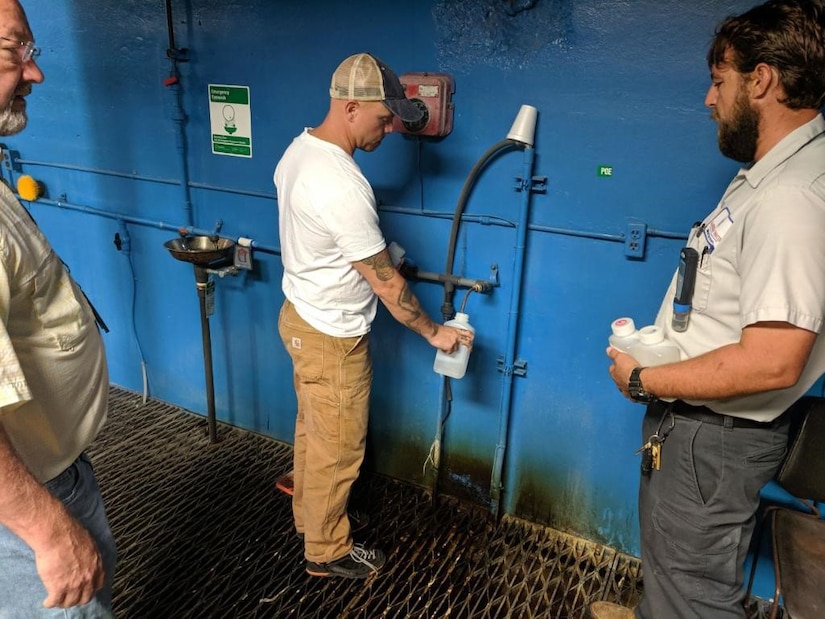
x=434, y=459
x=202, y=281
x=170, y=24
x=180, y=119
x=512, y=333
x=173, y=84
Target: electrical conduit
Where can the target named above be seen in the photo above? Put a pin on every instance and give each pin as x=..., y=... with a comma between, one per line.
x=161, y=225
x=505, y=405
x=173, y=85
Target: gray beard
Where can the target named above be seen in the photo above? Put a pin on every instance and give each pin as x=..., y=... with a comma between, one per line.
x=12, y=122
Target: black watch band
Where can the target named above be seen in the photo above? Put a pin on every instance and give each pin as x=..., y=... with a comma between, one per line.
x=635, y=387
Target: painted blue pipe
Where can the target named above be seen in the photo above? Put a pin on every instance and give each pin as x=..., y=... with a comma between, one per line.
x=16, y=162
x=140, y=177
x=484, y=220
x=179, y=117
x=161, y=225
x=512, y=332
x=433, y=462
x=495, y=220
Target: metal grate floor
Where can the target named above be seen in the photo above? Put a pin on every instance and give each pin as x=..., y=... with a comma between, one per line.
x=203, y=533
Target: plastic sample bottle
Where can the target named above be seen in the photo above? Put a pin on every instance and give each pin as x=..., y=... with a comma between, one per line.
x=624, y=334
x=454, y=365
x=653, y=349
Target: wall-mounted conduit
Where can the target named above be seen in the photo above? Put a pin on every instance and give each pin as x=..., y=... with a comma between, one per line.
x=160, y=225
x=15, y=163
x=173, y=84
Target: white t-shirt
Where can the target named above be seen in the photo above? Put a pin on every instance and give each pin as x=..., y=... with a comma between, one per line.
x=328, y=219
x=54, y=383
x=762, y=258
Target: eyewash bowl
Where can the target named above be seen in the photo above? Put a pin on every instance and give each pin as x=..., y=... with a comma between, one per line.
x=200, y=250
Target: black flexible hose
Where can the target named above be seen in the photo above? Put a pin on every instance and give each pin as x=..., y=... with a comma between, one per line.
x=447, y=307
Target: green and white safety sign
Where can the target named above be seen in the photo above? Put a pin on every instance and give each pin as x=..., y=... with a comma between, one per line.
x=230, y=120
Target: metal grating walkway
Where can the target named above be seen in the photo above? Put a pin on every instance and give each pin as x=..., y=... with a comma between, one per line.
x=203, y=533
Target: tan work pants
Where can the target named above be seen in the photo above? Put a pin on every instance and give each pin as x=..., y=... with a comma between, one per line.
x=333, y=377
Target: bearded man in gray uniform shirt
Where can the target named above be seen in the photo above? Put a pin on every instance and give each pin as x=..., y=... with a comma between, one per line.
x=753, y=344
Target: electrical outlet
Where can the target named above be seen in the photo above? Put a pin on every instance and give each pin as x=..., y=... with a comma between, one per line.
x=635, y=240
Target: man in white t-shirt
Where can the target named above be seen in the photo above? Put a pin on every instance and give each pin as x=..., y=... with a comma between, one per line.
x=336, y=268
x=714, y=426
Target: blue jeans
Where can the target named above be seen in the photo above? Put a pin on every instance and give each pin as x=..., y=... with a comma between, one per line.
x=21, y=591
x=697, y=514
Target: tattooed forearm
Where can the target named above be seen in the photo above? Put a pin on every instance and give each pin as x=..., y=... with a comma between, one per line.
x=408, y=302
x=382, y=265
x=396, y=295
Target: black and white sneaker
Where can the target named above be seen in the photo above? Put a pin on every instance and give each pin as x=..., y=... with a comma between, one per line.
x=359, y=563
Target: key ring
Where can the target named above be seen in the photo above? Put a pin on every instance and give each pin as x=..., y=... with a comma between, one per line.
x=667, y=414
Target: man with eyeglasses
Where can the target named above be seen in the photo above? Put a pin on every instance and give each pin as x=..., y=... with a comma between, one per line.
x=56, y=548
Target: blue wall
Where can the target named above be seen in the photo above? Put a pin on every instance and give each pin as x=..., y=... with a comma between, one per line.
x=618, y=84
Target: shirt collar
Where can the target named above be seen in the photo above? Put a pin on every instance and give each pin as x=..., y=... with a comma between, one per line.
x=784, y=150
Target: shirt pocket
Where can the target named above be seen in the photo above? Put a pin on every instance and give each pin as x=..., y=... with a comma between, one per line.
x=704, y=279
x=55, y=299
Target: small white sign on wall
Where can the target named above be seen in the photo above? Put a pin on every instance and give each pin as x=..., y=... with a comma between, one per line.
x=230, y=120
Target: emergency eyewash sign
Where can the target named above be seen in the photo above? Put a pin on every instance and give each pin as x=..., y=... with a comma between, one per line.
x=230, y=120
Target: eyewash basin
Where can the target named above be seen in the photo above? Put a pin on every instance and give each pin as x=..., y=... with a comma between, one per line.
x=199, y=250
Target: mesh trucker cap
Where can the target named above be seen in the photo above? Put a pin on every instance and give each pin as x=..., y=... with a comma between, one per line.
x=363, y=77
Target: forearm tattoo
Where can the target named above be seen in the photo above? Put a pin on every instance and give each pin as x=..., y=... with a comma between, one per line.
x=382, y=265
x=408, y=301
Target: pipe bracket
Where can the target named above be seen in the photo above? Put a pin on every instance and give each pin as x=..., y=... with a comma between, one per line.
x=493, y=277
x=224, y=271
x=519, y=367
x=536, y=184
x=178, y=54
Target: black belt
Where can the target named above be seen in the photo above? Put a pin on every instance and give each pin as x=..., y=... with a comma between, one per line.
x=706, y=415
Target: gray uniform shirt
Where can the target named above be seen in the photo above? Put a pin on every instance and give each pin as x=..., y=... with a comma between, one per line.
x=762, y=258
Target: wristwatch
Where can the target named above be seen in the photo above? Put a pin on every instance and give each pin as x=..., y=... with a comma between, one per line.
x=635, y=387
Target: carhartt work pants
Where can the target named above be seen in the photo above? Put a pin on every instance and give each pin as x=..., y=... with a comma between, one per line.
x=333, y=377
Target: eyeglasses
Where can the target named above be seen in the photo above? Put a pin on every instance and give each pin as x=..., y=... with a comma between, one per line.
x=26, y=49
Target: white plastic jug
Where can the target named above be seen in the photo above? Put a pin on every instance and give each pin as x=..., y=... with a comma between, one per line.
x=653, y=349
x=454, y=365
x=624, y=334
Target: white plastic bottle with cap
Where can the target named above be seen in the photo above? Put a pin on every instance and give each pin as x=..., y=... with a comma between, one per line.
x=624, y=334
x=653, y=349
x=454, y=365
